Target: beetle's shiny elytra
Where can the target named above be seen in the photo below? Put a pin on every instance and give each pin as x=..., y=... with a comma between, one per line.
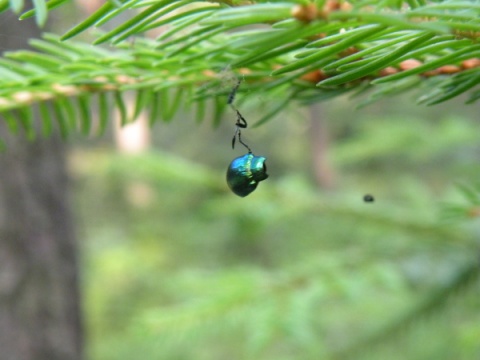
x=245, y=172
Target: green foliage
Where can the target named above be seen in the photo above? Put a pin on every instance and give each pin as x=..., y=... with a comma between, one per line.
x=215, y=283
x=292, y=272
x=296, y=50
x=40, y=10
x=469, y=207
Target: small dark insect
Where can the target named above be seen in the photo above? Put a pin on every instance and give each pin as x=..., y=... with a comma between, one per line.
x=368, y=198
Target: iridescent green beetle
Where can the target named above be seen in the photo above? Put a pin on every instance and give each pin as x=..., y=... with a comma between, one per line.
x=245, y=172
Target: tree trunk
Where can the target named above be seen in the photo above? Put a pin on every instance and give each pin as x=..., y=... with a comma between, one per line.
x=39, y=295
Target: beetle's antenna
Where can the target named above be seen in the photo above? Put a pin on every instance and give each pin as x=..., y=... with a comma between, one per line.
x=241, y=122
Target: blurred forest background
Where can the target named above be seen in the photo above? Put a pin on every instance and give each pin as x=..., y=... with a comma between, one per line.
x=175, y=266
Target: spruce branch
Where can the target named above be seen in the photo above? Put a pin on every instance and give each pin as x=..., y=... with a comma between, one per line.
x=312, y=51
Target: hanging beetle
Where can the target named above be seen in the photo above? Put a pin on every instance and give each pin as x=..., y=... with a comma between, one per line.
x=245, y=172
